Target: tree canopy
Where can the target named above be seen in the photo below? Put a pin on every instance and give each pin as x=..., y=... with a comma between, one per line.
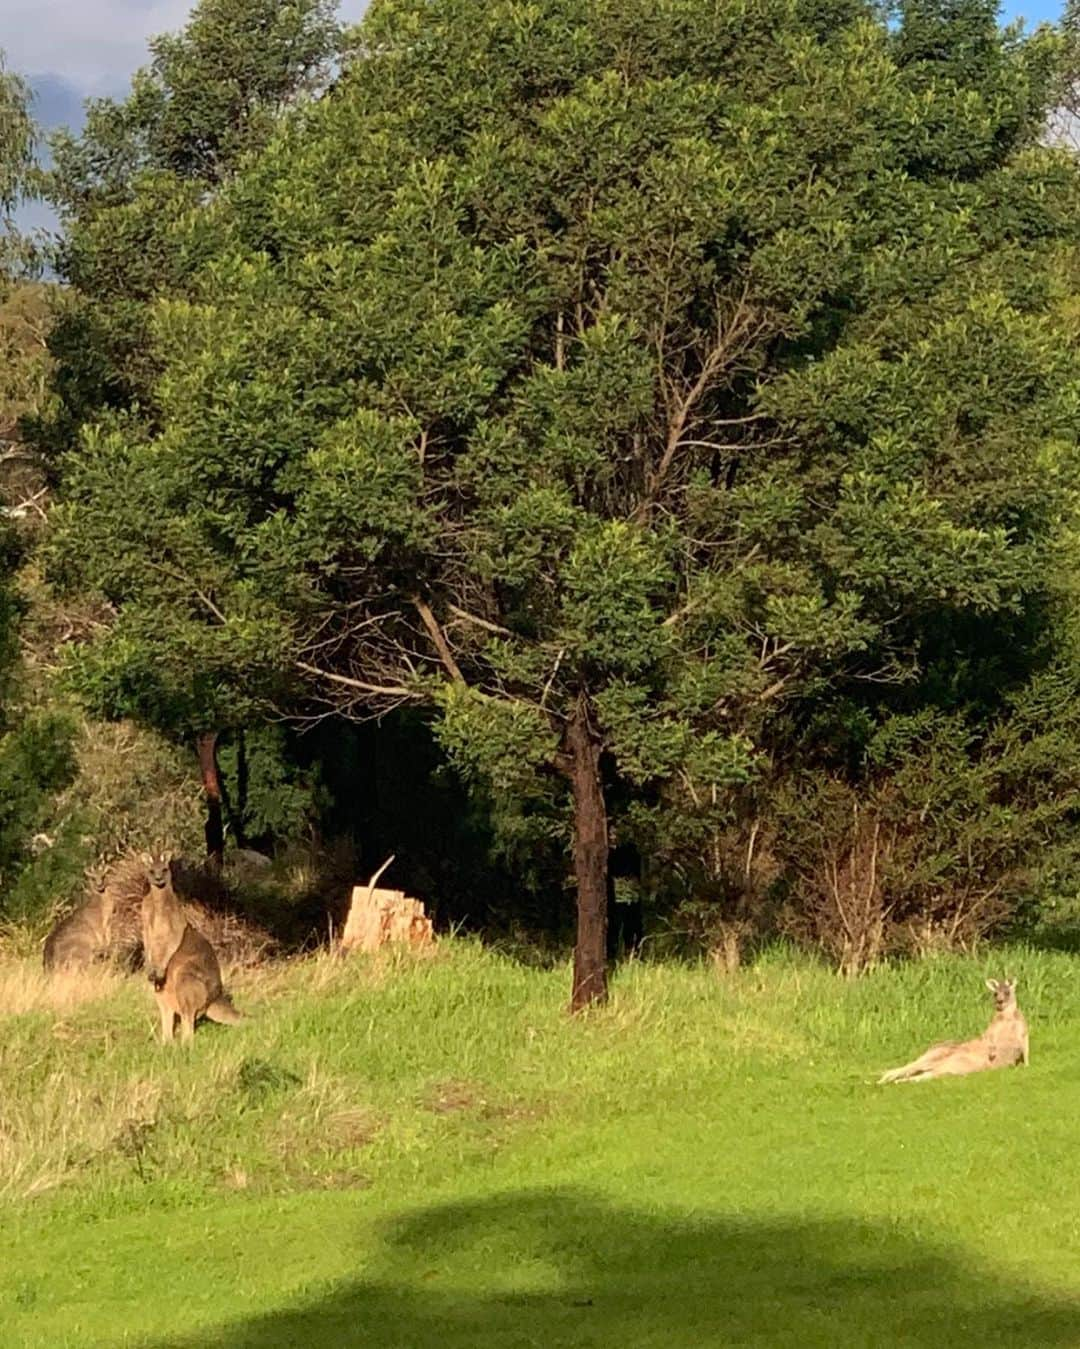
x=679, y=402
x=211, y=95
x=16, y=157
x=35, y=752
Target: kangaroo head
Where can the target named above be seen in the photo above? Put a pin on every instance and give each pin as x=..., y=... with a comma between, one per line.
x=158, y=872
x=97, y=884
x=1004, y=991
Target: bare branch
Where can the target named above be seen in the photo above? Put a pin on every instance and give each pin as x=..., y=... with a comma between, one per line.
x=376, y=690
x=23, y=508
x=466, y=617
x=15, y=449
x=774, y=689
x=375, y=878
x=551, y=678
x=731, y=338
x=436, y=634
x=777, y=651
x=734, y=444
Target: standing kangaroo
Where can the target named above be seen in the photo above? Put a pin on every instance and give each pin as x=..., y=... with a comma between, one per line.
x=1003, y=1044
x=77, y=940
x=180, y=962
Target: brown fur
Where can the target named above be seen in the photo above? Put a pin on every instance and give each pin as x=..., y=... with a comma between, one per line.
x=180, y=962
x=83, y=936
x=1003, y=1044
x=235, y=939
x=127, y=877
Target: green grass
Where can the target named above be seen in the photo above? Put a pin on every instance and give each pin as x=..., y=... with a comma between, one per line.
x=433, y=1154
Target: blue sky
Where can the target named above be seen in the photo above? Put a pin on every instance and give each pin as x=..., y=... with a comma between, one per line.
x=74, y=49
x=1036, y=11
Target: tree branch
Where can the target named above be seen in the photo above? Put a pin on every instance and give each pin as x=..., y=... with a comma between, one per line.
x=441, y=644
x=377, y=690
x=730, y=337
x=552, y=677
x=479, y=622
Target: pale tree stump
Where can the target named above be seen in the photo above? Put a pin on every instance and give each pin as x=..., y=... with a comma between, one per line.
x=381, y=917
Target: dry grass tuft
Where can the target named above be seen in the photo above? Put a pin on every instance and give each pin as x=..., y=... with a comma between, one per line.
x=351, y=1128
x=453, y=1096
x=27, y=988
x=68, y=1126
x=459, y=1096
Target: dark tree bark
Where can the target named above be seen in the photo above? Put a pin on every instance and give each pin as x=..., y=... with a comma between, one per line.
x=590, y=860
x=211, y=779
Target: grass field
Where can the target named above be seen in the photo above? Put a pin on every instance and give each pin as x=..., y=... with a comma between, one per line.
x=432, y=1154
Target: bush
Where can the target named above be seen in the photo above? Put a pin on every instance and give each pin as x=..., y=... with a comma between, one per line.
x=121, y=789
x=36, y=760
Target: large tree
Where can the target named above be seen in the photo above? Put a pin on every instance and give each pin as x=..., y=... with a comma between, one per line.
x=649, y=391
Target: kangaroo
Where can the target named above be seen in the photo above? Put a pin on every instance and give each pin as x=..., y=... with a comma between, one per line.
x=1003, y=1044
x=180, y=962
x=77, y=940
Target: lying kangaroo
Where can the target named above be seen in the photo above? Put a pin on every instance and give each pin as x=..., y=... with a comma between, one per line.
x=77, y=940
x=1003, y=1044
x=180, y=962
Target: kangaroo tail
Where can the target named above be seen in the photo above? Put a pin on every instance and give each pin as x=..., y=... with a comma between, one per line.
x=223, y=1012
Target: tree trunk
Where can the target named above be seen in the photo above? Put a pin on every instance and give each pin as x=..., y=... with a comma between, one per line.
x=590, y=860
x=215, y=833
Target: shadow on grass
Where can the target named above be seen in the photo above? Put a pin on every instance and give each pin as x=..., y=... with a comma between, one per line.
x=1063, y=938
x=559, y=1268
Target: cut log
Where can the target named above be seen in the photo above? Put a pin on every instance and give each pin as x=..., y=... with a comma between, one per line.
x=381, y=917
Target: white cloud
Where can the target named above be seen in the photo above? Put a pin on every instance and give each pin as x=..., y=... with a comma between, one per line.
x=93, y=45
x=76, y=49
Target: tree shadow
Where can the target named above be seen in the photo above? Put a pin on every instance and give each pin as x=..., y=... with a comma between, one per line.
x=559, y=1268
x=1063, y=939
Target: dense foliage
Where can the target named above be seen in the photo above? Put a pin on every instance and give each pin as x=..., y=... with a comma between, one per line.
x=209, y=96
x=680, y=403
x=35, y=745
x=16, y=157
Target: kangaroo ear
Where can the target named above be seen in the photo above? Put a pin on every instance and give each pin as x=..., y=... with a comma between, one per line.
x=992, y=985
x=146, y=859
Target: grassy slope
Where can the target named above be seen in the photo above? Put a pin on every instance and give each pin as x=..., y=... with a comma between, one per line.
x=432, y=1154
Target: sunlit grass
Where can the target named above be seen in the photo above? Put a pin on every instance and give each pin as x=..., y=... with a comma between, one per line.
x=433, y=1148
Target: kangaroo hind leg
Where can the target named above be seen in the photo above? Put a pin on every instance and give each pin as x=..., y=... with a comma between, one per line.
x=168, y=1019
x=192, y=996
x=919, y=1068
